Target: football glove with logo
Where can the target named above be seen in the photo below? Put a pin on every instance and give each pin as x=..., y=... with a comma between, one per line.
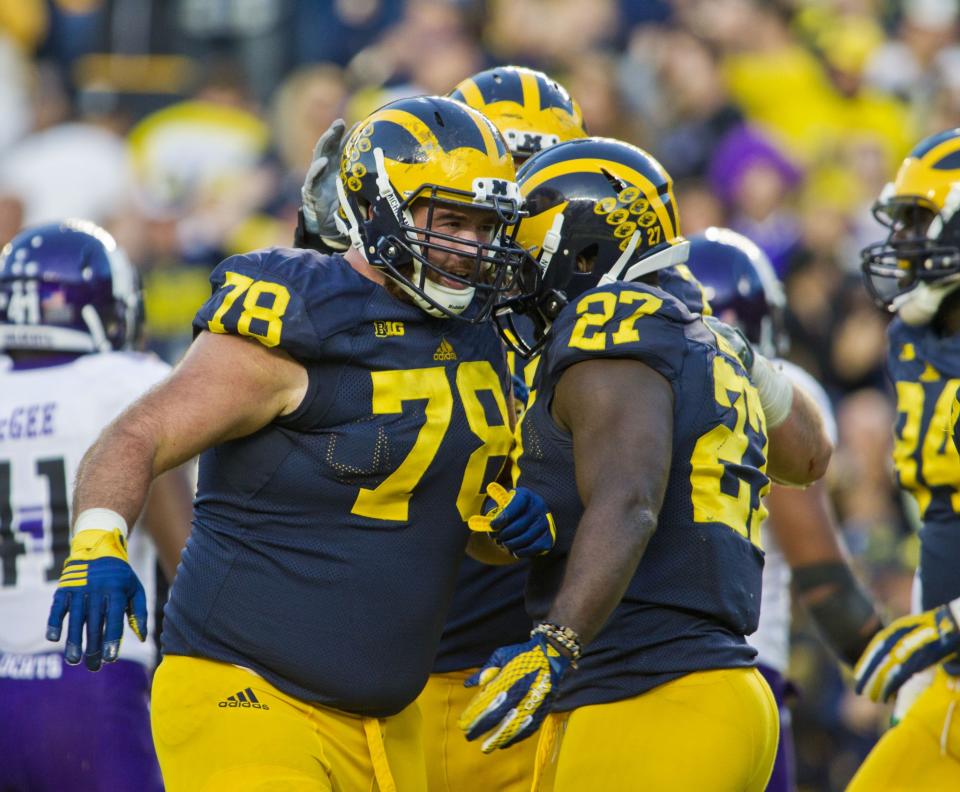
x=517, y=685
x=97, y=587
x=907, y=645
x=318, y=194
x=518, y=520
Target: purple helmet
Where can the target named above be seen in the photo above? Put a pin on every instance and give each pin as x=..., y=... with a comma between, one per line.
x=741, y=286
x=67, y=287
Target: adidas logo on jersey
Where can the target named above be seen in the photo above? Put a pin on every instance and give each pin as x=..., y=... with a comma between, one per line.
x=245, y=698
x=444, y=351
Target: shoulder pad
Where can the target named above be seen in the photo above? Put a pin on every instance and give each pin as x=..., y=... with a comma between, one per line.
x=284, y=297
x=679, y=281
x=622, y=320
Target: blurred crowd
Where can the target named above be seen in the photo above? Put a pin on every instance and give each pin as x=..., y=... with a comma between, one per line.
x=186, y=126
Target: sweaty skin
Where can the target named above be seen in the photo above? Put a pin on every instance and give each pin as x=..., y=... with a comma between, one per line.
x=622, y=501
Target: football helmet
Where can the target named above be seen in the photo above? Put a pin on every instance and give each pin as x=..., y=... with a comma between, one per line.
x=599, y=210
x=919, y=262
x=532, y=111
x=437, y=151
x=740, y=286
x=68, y=287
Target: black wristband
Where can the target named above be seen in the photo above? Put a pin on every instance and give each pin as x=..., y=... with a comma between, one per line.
x=841, y=615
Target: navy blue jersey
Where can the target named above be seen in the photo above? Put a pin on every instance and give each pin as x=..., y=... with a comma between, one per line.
x=925, y=369
x=326, y=545
x=487, y=612
x=696, y=591
x=488, y=609
x=679, y=281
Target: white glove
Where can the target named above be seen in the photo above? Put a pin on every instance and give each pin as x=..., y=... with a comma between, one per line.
x=319, y=191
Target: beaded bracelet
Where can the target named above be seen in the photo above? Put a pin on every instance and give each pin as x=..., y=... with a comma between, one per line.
x=563, y=636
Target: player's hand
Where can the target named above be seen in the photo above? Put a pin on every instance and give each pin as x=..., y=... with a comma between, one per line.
x=906, y=646
x=319, y=191
x=521, y=391
x=97, y=587
x=518, y=520
x=517, y=685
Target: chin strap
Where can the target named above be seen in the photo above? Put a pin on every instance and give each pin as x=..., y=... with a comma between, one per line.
x=453, y=300
x=675, y=254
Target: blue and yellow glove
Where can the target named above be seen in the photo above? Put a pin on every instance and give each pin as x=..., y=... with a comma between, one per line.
x=521, y=391
x=97, y=587
x=906, y=646
x=518, y=520
x=518, y=683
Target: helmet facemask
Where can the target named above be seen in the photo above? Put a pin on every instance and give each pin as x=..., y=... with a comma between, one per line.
x=379, y=204
x=919, y=262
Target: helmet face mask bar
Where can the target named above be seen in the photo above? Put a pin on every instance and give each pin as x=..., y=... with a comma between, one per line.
x=403, y=251
x=910, y=255
x=438, y=153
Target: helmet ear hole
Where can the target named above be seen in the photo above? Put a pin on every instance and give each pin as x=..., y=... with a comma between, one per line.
x=587, y=258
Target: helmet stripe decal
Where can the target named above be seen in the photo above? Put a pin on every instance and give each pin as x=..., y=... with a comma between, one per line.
x=422, y=121
x=503, y=86
x=671, y=207
x=666, y=216
x=925, y=146
x=950, y=162
x=491, y=139
x=552, y=96
x=468, y=93
x=531, y=88
x=409, y=122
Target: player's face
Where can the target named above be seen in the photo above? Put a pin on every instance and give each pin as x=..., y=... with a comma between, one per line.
x=466, y=223
x=910, y=223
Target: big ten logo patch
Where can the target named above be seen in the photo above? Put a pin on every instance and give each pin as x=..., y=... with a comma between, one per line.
x=628, y=211
x=382, y=329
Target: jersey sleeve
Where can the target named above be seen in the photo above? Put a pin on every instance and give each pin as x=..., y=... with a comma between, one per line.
x=281, y=297
x=627, y=320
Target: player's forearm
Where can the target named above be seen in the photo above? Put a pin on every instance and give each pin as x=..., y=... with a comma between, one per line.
x=117, y=470
x=608, y=547
x=799, y=449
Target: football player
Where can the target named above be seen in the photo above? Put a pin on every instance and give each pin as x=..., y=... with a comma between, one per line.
x=914, y=273
x=533, y=112
x=800, y=540
x=70, y=313
x=350, y=412
x=648, y=439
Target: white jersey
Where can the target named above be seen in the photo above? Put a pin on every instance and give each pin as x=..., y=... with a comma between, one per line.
x=49, y=417
x=772, y=638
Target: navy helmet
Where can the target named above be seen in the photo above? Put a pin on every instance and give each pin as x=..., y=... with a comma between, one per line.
x=741, y=286
x=68, y=287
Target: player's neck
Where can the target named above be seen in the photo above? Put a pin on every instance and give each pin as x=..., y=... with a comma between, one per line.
x=356, y=260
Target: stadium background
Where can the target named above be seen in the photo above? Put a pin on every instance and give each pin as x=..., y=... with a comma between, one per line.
x=185, y=127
